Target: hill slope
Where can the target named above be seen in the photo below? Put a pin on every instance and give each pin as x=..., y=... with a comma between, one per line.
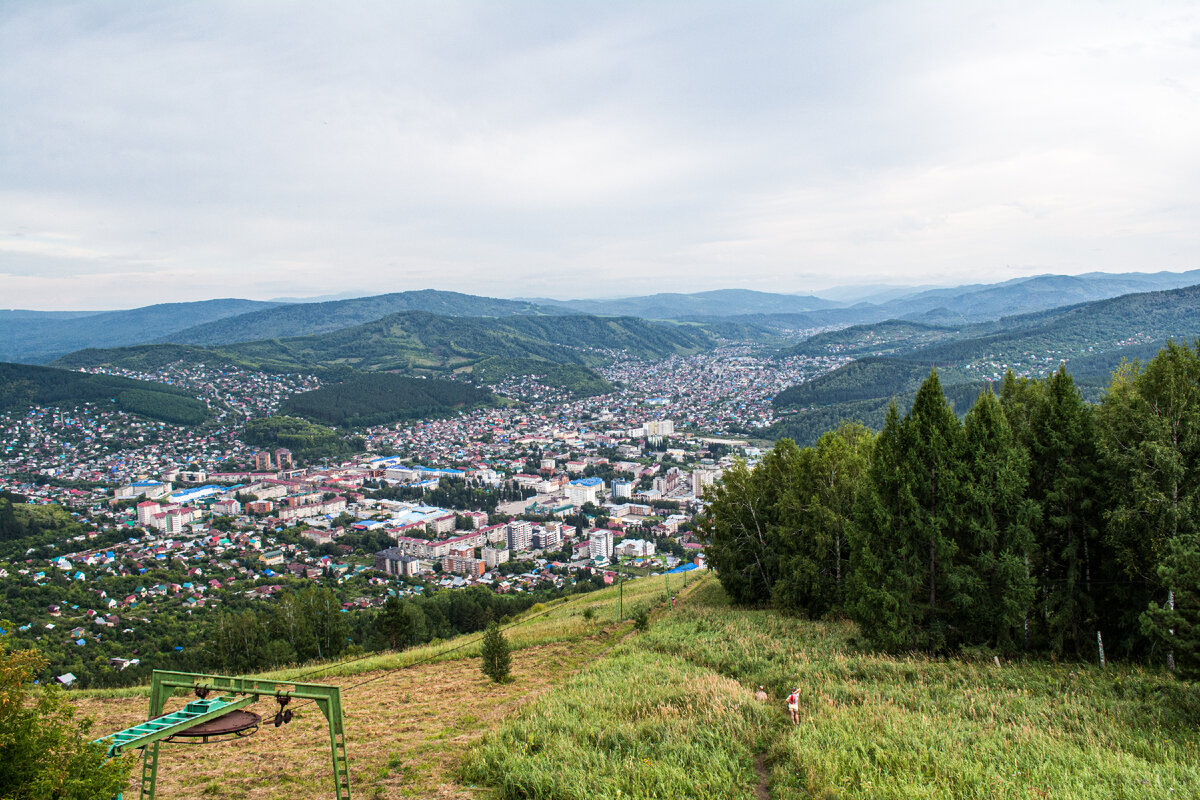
x=378, y=398
x=304, y=319
x=24, y=385
x=598, y=711
x=37, y=337
x=1091, y=338
x=423, y=343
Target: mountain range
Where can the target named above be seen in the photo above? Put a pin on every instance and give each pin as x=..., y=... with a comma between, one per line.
x=40, y=337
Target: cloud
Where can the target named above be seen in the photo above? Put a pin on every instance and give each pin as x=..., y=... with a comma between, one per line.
x=274, y=148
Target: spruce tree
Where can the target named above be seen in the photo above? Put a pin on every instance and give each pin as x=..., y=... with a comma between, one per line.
x=882, y=583
x=933, y=466
x=996, y=590
x=1149, y=426
x=494, y=654
x=1175, y=626
x=1064, y=481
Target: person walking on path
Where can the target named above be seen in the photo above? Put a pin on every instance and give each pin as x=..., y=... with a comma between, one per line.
x=793, y=704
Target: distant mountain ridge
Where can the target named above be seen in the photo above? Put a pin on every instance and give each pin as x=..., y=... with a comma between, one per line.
x=1091, y=338
x=303, y=319
x=719, y=302
x=418, y=342
x=37, y=337
x=42, y=336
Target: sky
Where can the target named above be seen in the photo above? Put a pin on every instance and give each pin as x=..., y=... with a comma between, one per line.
x=177, y=150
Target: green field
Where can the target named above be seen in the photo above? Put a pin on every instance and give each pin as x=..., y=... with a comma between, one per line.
x=670, y=713
x=600, y=711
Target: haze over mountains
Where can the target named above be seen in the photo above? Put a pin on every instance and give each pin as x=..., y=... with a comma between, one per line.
x=40, y=337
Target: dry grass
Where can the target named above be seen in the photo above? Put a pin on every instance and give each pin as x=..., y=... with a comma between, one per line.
x=406, y=731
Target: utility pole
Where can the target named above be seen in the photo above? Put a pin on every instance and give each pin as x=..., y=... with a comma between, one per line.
x=620, y=592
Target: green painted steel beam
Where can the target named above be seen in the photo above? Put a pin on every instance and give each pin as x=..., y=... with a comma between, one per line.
x=163, y=727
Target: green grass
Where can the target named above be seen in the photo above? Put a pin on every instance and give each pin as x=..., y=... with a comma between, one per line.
x=872, y=726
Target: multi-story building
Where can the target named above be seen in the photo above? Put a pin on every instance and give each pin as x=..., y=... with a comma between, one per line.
x=622, y=489
x=661, y=427
x=702, y=478
x=584, y=490
x=393, y=561
x=494, y=556
x=262, y=461
x=520, y=535
x=600, y=543
x=463, y=562
x=283, y=458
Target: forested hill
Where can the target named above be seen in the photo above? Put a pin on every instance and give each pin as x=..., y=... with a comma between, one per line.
x=35, y=337
x=877, y=339
x=424, y=343
x=1039, y=523
x=379, y=398
x=303, y=319
x=1091, y=338
x=23, y=385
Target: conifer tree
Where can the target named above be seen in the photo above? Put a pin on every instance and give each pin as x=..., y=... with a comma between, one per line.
x=933, y=466
x=997, y=589
x=1149, y=426
x=829, y=483
x=1175, y=626
x=494, y=654
x=1064, y=481
x=882, y=582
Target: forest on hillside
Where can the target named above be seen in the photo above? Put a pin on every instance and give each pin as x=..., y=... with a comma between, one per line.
x=307, y=441
x=23, y=385
x=1040, y=523
x=378, y=398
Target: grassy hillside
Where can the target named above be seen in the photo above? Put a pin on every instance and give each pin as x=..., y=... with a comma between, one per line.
x=423, y=343
x=599, y=711
x=378, y=398
x=34, y=337
x=304, y=319
x=23, y=385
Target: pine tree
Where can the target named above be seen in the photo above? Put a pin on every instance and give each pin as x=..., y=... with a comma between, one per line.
x=830, y=478
x=494, y=654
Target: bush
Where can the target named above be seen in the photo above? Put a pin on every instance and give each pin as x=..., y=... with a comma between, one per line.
x=641, y=620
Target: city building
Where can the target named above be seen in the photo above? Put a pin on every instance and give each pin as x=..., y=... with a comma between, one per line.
x=600, y=543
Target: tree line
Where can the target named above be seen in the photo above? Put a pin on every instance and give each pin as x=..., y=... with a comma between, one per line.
x=1039, y=523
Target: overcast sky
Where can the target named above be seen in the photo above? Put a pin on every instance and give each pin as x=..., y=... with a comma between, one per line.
x=176, y=150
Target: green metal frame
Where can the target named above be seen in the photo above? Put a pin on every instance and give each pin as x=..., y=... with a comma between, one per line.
x=233, y=694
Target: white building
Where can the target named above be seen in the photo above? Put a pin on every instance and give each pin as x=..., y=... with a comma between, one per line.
x=494, y=556
x=661, y=427
x=520, y=535
x=584, y=490
x=600, y=543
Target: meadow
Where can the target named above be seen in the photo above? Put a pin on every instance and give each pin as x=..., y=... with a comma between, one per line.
x=670, y=713
x=600, y=710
